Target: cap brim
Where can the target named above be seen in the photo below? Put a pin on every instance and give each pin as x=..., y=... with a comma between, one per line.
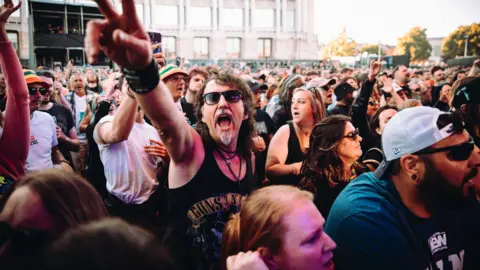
x=332, y=81
x=383, y=171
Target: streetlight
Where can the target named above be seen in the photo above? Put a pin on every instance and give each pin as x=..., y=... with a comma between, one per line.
x=466, y=46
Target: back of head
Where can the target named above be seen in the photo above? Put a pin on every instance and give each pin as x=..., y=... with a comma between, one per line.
x=259, y=222
x=69, y=198
x=287, y=87
x=107, y=244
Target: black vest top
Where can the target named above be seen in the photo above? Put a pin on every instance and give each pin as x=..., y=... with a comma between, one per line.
x=201, y=208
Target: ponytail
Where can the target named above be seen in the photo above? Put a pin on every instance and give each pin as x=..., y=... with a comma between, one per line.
x=231, y=240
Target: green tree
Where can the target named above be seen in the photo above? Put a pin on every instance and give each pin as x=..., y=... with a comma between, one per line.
x=341, y=46
x=415, y=44
x=371, y=49
x=454, y=44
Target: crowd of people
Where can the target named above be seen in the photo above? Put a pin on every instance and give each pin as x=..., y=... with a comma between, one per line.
x=155, y=166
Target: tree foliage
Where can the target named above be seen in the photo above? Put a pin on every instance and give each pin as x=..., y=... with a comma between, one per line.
x=454, y=44
x=341, y=46
x=371, y=49
x=415, y=44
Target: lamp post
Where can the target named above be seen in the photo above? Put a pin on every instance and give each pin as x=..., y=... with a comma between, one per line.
x=466, y=45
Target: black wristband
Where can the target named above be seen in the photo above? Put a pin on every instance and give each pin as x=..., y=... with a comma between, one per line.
x=143, y=81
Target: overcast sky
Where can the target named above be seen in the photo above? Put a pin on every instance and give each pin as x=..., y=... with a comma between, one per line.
x=368, y=21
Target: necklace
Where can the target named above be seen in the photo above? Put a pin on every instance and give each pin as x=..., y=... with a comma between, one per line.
x=227, y=161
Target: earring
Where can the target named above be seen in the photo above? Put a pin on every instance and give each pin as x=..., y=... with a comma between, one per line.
x=414, y=177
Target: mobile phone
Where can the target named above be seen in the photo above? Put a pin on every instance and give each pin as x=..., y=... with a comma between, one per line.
x=156, y=38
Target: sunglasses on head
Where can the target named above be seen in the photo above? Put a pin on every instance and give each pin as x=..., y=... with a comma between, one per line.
x=352, y=135
x=459, y=152
x=33, y=90
x=231, y=96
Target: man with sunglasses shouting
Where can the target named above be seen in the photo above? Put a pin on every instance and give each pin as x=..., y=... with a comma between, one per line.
x=416, y=211
x=43, y=152
x=211, y=168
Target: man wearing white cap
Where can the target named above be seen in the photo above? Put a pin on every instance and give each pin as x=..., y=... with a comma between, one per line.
x=415, y=211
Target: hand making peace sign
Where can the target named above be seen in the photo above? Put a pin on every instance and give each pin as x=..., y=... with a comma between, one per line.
x=120, y=36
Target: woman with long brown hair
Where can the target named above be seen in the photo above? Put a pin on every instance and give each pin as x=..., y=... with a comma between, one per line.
x=289, y=145
x=39, y=207
x=331, y=161
x=278, y=227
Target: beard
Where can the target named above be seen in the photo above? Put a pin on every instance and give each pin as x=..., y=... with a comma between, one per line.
x=438, y=193
x=226, y=137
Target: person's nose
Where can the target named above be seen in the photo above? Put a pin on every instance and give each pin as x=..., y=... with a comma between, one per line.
x=222, y=102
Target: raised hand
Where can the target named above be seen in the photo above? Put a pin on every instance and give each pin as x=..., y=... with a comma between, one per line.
x=120, y=36
x=7, y=9
x=375, y=68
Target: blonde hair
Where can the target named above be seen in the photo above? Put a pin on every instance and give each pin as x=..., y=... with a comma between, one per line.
x=259, y=222
x=315, y=98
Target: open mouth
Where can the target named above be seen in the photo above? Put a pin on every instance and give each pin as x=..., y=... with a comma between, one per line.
x=296, y=114
x=329, y=265
x=224, y=121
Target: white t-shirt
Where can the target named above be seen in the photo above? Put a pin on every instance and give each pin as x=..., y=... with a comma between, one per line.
x=129, y=170
x=43, y=137
x=80, y=107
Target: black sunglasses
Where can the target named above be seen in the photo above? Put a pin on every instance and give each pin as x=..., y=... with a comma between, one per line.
x=371, y=103
x=352, y=135
x=459, y=152
x=33, y=90
x=231, y=96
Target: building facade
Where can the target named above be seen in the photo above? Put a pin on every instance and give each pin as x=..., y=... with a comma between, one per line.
x=436, y=43
x=52, y=31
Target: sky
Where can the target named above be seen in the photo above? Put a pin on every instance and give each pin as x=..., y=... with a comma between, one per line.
x=371, y=21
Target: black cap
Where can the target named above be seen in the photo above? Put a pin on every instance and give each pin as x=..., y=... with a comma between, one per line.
x=262, y=77
x=468, y=92
x=254, y=86
x=342, y=89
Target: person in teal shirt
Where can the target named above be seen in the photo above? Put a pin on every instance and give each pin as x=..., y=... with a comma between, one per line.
x=416, y=211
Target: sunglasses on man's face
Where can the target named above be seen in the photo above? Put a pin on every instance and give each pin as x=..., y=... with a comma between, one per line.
x=353, y=135
x=33, y=91
x=231, y=96
x=459, y=152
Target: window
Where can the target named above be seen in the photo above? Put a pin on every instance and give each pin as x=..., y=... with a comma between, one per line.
x=264, y=47
x=165, y=15
x=290, y=19
x=234, y=47
x=264, y=18
x=13, y=37
x=169, y=47
x=199, y=16
x=200, y=47
x=232, y=17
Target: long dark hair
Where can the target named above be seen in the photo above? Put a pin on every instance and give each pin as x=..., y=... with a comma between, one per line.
x=322, y=160
x=247, y=129
x=286, y=91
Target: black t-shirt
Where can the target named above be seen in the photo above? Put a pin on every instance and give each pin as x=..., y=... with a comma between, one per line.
x=189, y=111
x=264, y=127
x=200, y=210
x=63, y=118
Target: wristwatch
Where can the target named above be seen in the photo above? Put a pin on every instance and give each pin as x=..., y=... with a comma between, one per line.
x=143, y=81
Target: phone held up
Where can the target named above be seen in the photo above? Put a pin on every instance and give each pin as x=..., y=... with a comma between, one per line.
x=156, y=38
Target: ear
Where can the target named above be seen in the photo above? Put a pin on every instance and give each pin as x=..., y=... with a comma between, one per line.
x=245, y=116
x=268, y=258
x=463, y=108
x=412, y=165
x=378, y=130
